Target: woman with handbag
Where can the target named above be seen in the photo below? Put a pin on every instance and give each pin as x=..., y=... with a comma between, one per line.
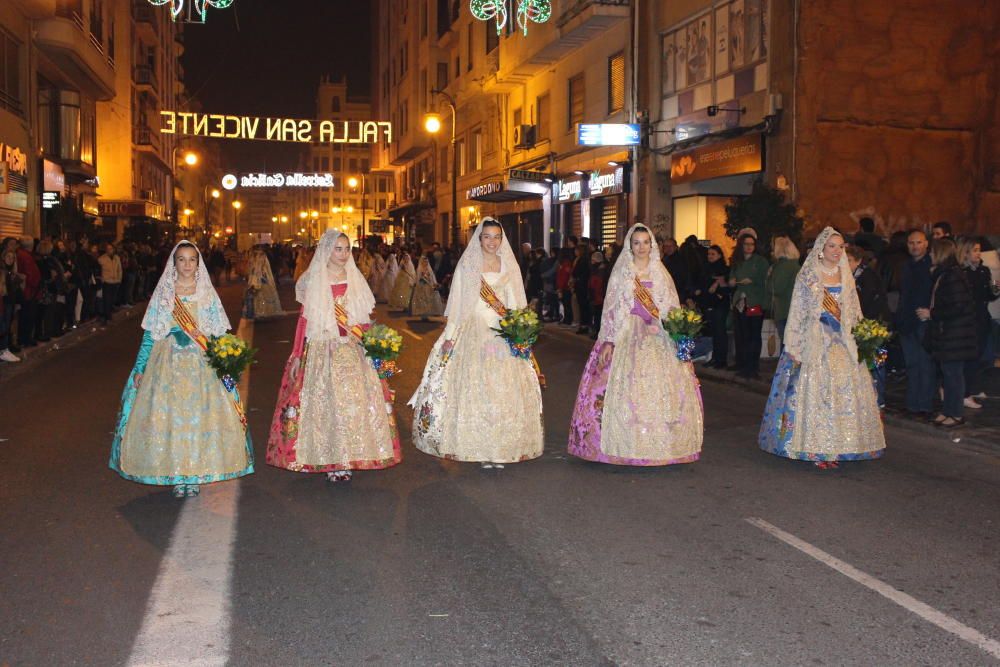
x=951, y=334
x=822, y=406
x=747, y=278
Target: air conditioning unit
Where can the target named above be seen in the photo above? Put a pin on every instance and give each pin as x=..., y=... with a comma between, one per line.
x=524, y=136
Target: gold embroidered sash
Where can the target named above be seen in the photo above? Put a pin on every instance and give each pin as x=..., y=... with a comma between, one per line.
x=831, y=305
x=356, y=331
x=187, y=324
x=645, y=298
x=493, y=301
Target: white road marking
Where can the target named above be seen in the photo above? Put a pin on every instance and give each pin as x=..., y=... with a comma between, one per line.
x=410, y=333
x=924, y=611
x=188, y=617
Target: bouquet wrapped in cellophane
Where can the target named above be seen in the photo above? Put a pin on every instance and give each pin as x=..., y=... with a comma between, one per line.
x=229, y=355
x=382, y=346
x=871, y=337
x=520, y=328
x=683, y=325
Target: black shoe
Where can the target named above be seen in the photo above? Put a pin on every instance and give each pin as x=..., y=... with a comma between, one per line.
x=14, y=348
x=583, y=330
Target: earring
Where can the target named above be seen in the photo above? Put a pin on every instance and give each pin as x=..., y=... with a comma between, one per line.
x=821, y=254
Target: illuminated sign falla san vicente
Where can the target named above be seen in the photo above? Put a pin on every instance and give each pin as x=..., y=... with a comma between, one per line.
x=225, y=126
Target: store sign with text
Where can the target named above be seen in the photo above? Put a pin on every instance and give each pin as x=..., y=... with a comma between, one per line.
x=295, y=130
x=484, y=190
x=262, y=180
x=742, y=155
x=601, y=182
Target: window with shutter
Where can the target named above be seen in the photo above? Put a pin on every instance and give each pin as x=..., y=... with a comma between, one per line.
x=616, y=82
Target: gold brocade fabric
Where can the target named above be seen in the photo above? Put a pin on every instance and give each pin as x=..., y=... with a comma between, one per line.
x=836, y=407
x=266, y=302
x=182, y=422
x=483, y=404
x=344, y=417
x=652, y=409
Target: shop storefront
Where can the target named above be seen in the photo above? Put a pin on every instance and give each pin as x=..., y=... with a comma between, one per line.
x=704, y=180
x=14, y=189
x=520, y=202
x=594, y=205
x=133, y=219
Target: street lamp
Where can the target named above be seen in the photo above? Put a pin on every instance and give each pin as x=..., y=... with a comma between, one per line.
x=207, y=197
x=352, y=183
x=237, y=207
x=432, y=123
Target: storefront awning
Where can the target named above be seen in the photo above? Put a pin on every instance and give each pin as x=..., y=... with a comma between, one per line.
x=511, y=188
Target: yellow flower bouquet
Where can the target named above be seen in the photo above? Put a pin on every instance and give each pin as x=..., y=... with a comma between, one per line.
x=520, y=328
x=871, y=337
x=683, y=325
x=229, y=355
x=382, y=346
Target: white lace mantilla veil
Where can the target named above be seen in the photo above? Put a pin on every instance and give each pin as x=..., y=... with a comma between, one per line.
x=464, y=293
x=406, y=266
x=159, y=317
x=803, y=332
x=261, y=267
x=314, y=293
x=621, y=286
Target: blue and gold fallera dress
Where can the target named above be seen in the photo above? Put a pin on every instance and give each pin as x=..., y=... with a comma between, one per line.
x=822, y=406
x=180, y=426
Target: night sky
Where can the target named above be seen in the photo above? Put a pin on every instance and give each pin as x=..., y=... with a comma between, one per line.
x=266, y=57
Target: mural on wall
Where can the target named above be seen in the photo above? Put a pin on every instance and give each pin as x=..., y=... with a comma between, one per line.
x=731, y=36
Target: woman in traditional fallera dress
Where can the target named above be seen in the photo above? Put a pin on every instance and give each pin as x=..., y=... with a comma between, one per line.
x=402, y=290
x=261, y=298
x=179, y=425
x=334, y=414
x=379, y=268
x=822, y=406
x=638, y=404
x=426, y=299
x=384, y=292
x=478, y=402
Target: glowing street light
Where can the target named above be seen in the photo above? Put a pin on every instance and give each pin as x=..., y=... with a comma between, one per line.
x=432, y=122
x=190, y=158
x=352, y=182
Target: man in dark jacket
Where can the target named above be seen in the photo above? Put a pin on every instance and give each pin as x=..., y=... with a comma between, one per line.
x=874, y=304
x=915, y=294
x=27, y=267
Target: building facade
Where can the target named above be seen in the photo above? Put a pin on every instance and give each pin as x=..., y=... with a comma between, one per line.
x=518, y=99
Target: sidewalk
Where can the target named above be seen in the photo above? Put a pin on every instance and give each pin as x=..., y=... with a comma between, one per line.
x=982, y=428
x=33, y=356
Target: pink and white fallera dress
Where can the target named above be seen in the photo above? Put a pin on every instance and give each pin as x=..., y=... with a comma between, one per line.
x=335, y=413
x=643, y=407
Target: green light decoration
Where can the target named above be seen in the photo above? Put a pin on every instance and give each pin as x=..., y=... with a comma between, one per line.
x=536, y=11
x=533, y=11
x=197, y=9
x=484, y=10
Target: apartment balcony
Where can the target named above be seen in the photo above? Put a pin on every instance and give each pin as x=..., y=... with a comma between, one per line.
x=77, y=53
x=144, y=79
x=575, y=23
x=147, y=21
x=146, y=139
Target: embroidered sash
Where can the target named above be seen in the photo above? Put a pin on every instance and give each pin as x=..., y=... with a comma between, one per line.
x=645, y=298
x=831, y=305
x=356, y=331
x=493, y=301
x=187, y=324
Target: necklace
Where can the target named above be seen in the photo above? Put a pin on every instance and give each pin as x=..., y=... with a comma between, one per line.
x=827, y=271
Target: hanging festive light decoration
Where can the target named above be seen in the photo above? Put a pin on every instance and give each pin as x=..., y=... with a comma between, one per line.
x=536, y=11
x=197, y=9
x=484, y=10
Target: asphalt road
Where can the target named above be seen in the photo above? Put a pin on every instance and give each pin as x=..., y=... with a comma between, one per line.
x=548, y=562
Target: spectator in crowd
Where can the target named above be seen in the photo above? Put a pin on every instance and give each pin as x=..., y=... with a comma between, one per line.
x=597, y=287
x=712, y=296
x=564, y=278
x=747, y=278
x=9, y=289
x=533, y=279
x=781, y=281
x=111, y=279
x=27, y=267
x=952, y=320
x=87, y=272
x=874, y=305
x=51, y=293
x=941, y=230
x=550, y=298
x=915, y=297
x=984, y=291
x=867, y=239
x=677, y=268
x=581, y=283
